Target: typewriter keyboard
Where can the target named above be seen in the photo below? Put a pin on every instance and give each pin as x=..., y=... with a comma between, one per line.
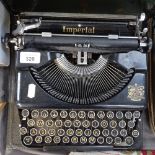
x=42, y=127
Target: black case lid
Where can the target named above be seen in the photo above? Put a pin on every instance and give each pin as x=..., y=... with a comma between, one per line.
x=77, y=6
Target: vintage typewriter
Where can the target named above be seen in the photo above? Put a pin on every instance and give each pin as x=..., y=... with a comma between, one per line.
x=80, y=79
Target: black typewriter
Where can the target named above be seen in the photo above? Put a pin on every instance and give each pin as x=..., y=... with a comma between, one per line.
x=80, y=79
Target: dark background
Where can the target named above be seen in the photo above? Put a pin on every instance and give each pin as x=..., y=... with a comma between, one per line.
x=78, y=6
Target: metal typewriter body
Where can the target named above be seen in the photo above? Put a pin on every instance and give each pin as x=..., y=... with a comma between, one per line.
x=80, y=82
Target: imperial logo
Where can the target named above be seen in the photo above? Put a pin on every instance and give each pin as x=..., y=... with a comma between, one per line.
x=80, y=30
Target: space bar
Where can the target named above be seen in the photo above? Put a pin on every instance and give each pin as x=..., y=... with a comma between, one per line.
x=78, y=148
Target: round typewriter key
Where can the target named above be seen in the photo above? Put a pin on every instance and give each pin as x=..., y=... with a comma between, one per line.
x=128, y=115
x=122, y=124
x=105, y=132
x=79, y=132
x=81, y=114
x=119, y=114
x=48, y=139
x=27, y=140
x=33, y=132
x=30, y=122
x=113, y=124
x=83, y=140
x=95, y=124
x=114, y=132
x=40, y=123
x=56, y=139
x=117, y=141
x=96, y=132
x=51, y=132
x=74, y=140
x=35, y=114
x=109, y=140
x=38, y=139
x=101, y=114
x=77, y=123
x=72, y=114
x=131, y=124
x=100, y=140
x=44, y=113
x=129, y=141
x=104, y=124
x=54, y=114
x=67, y=123
x=123, y=133
x=92, y=140
x=91, y=114
x=87, y=132
x=70, y=132
x=63, y=114
x=135, y=133
x=136, y=114
x=85, y=123
x=110, y=114
x=49, y=123
x=61, y=132
x=65, y=139
x=42, y=132
x=25, y=113
x=23, y=130
x=58, y=123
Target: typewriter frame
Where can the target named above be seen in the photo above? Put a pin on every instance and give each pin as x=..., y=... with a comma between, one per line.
x=70, y=16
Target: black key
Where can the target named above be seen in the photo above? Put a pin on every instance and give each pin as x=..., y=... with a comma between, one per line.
x=88, y=132
x=129, y=141
x=128, y=115
x=27, y=140
x=35, y=114
x=100, y=140
x=131, y=124
x=101, y=114
x=44, y=113
x=83, y=140
x=117, y=141
x=123, y=133
x=119, y=114
x=91, y=114
x=65, y=139
x=110, y=114
x=114, y=132
x=105, y=132
x=136, y=114
x=48, y=139
x=113, y=124
x=25, y=113
x=23, y=130
x=54, y=114
x=38, y=139
x=109, y=140
x=63, y=114
x=95, y=124
x=67, y=123
x=135, y=133
x=74, y=140
x=56, y=139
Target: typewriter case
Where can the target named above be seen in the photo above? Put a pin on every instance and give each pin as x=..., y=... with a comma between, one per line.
x=115, y=80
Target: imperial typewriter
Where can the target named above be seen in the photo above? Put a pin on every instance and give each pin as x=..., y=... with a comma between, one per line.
x=80, y=80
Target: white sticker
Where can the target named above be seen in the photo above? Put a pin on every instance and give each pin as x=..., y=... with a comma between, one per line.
x=30, y=57
x=31, y=90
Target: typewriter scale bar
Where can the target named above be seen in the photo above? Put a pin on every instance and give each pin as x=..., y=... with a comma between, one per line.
x=113, y=129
